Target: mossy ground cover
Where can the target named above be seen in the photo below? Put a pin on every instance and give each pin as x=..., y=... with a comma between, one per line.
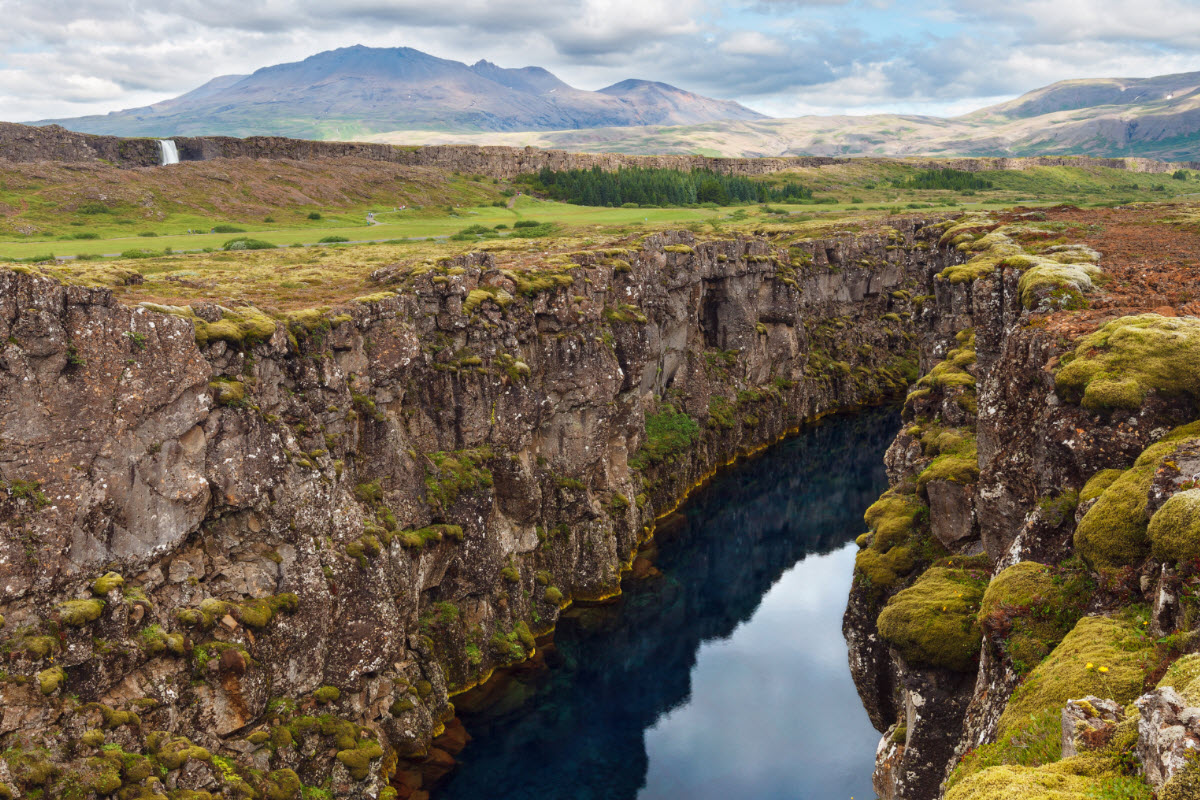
x=934, y=622
x=1119, y=364
x=1101, y=656
x=897, y=542
x=1030, y=607
x=1113, y=532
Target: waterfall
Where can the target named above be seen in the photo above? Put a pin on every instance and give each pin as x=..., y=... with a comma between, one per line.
x=170, y=153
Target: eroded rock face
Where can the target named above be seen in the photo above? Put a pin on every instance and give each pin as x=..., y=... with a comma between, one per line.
x=1089, y=724
x=392, y=503
x=1168, y=734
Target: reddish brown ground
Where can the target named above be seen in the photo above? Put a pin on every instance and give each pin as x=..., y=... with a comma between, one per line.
x=1152, y=254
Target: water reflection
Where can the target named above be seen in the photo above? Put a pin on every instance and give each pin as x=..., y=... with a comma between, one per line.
x=726, y=675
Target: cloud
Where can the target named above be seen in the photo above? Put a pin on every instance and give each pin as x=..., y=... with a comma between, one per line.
x=70, y=57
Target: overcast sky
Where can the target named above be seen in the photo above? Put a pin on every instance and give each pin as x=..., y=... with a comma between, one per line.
x=782, y=57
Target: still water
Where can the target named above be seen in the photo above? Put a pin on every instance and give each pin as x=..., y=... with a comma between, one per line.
x=725, y=676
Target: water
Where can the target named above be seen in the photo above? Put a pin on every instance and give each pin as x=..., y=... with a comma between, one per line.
x=170, y=153
x=726, y=676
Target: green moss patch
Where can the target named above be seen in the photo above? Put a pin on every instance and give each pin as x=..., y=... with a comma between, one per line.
x=451, y=473
x=1113, y=532
x=1101, y=656
x=106, y=583
x=1116, y=366
x=1030, y=607
x=897, y=542
x=78, y=613
x=935, y=621
x=1174, y=530
x=669, y=433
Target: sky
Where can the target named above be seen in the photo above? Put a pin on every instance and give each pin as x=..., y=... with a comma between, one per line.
x=785, y=58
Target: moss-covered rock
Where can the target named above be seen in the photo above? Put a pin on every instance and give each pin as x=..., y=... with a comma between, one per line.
x=50, y=679
x=78, y=613
x=1098, y=483
x=282, y=784
x=1101, y=656
x=1113, y=531
x=1030, y=607
x=1174, y=530
x=358, y=760
x=106, y=583
x=327, y=694
x=1116, y=366
x=934, y=622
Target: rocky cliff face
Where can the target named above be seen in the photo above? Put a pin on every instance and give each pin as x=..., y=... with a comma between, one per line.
x=239, y=557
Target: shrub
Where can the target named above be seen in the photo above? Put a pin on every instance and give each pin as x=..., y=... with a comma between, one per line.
x=526, y=223
x=227, y=229
x=314, y=215
x=246, y=243
x=332, y=240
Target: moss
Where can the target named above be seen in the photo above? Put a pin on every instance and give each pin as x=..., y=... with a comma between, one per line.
x=1098, y=483
x=451, y=473
x=669, y=435
x=1113, y=532
x=510, y=574
x=1118, y=364
x=1184, y=784
x=1030, y=607
x=282, y=784
x=281, y=737
x=358, y=760
x=327, y=694
x=259, y=737
x=241, y=327
x=229, y=393
x=892, y=518
x=554, y=595
x=155, y=641
x=1071, y=779
x=173, y=753
x=935, y=621
x=401, y=706
x=416, y=539
x=493, y=294
x=255, y=613
x=960, y=468
x=1174, y=530
x=50, y=679
x=92, y=738
x=101, y=775
x=1116, y=654
x=78, y=613
x=106, y=583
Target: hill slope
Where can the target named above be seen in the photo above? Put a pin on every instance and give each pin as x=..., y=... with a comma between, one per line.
x=1149, y=117
x=362, y=90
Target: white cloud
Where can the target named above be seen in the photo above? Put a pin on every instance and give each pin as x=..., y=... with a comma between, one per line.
x=788, y=57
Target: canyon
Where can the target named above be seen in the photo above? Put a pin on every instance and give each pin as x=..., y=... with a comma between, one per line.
x=253, y=556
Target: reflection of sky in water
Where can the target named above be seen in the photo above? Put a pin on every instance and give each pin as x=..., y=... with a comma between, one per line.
x=724, y=678
x=745, y=733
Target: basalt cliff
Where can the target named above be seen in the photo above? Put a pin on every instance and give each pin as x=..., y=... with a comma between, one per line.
x=251, y=557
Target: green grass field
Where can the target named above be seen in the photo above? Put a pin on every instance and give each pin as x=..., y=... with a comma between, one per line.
x=45, y=216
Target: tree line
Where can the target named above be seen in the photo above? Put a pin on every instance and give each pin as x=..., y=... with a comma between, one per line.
x=649, y=186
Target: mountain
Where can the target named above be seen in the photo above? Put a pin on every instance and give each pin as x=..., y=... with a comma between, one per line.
x=355, y=91
x=1111, y=117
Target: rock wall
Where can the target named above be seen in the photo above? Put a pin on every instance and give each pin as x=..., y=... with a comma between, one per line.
x=21, y=143
x=274, y=559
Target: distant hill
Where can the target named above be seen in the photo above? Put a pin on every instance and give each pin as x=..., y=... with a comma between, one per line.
x=1111, y=117
x=356, y=91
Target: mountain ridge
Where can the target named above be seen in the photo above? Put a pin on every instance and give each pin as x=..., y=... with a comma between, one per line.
x=361, y=90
